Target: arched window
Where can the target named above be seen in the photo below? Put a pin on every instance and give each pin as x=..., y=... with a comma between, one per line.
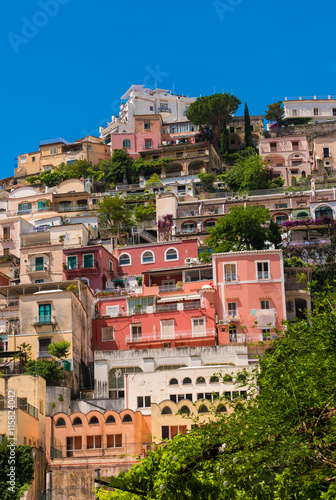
x=93, y=421
x=127, y=418
x=214, y=379
x=86, y=281
x=232, y=329
x=166, y=411
x=200, y=380
x=110, y=420
x=302, y=215
x=60, y=422
x=210, y=223
x=203, y=409
x=303, y=174
x=126, y=143
x=147, y=257
x=186, y=381
x=171, y=254
x=173, y=381
x=185, y=409
x=221, y=409
x=124, y=259
x=77, y=421
x=324, y=211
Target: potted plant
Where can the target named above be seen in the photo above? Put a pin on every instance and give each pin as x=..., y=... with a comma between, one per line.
x=65, y=267
x=61, y=238
x=179, y=285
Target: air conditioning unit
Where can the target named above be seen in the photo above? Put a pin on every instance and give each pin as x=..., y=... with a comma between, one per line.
x=191, y=260
x=221, y=322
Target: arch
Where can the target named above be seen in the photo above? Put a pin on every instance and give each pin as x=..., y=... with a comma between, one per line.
x=147, y=257
x=221, y=408
x=186, y=380
x=127, y=418
x=185, y=409
x=200, y=380
x=304, y=214
x=171, y=254
x=276, y=160
x=280, y=217
x=323, y=211
x=77, y=421
x=86, y=281
x=93, y=420
x=203, y=409
x=189, y=224
x=173, y=168
x=166, y=411
x=232, y=328
x=125, y=259
x=195, y=167
x=60, y=422
x=110, y=420
x=214, y=379
x=126, y=143
x=173, y=381
x=303, y=174
x=300, y=308
x=210, y=223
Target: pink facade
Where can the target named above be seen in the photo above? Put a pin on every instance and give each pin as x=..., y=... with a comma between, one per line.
x=135, y=143
x=250, y=288
x=135, y=260
x=93, y=264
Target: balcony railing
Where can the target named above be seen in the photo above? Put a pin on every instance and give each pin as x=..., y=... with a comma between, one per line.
x=28, y=408
x=166, y=307
x=183, y=335
x=141, y=310
x=193, y=304
x=44, y=320
x=72, y=208
x=43, y=354
x=37, y=268
x=80, y=265
x=164, y=110
x=232, y=315
x=237, y=338
x=170, y=288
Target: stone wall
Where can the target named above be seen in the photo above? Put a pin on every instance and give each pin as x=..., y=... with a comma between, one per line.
x=312, y=130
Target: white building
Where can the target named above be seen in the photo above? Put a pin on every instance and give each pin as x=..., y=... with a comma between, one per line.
x=319, y=110
x=142, y=101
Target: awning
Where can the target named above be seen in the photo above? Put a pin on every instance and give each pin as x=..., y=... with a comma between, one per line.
x=265, y=318
x=176, y=298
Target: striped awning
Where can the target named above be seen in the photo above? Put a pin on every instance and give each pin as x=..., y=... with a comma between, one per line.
x=176, y=298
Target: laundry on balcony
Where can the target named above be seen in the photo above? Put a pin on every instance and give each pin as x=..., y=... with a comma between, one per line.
x=265, y=318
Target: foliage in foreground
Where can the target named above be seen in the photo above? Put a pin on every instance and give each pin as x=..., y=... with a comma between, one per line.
x=280, y=445
x=24, y=470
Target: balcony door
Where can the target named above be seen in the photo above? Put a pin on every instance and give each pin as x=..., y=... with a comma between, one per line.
x=39, y=263
x=44, y=313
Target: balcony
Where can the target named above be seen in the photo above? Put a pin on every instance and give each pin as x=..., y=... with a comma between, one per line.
x=44, y=320
x=141, y=310
x=175, y=336
x=164, y=110
x=232, y=315
x=38, y=268
x=180, y=306
x=73, y=208
x=79, y=266
x=237, y=338
x=26, y=407
x=170, y=288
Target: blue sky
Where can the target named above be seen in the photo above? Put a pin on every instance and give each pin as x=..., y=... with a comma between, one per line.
x=65, y=63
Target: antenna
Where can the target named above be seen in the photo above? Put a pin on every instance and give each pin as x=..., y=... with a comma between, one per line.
x=174, y=88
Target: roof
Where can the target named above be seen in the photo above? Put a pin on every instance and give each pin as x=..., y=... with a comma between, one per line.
x=31, y=288
x=175, y=268
x=247, y=252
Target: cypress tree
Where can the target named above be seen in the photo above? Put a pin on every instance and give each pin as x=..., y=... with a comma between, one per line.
x=224, y=143
x=248, y=131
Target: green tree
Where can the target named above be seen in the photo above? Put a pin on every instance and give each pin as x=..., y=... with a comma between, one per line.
x=207, y=181
x=275, y=113
x=142, y=213
x=243, y=229
x=47, y=369
x=59, y=350
x=154, y=179
x=117, y=168
x=114, y=213
x=250, y=172
x=24, y=470
x=248, y=129
x=224, y=143
x=277, y=445
x=212, y=111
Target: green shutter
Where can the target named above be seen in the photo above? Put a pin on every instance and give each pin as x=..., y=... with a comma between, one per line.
x=39, y=264
x=88, y=260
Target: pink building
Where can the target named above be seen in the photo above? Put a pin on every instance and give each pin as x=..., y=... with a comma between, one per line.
x=288, y=156
x=147, y=135
x=94, y=265
x=250, y=298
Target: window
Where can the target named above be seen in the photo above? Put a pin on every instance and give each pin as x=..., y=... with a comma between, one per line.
x=173, y=381
x=210, y=223
x=294, y=172
x=185, y=410
x=53, y=151
x=23, y=159
x=326, y=153
x=316, y=111
x=233, y=333
x=111, y=265
x=45, y=313
x=127, y=418
x=124, y=259
x=88, y=260
x=163, y=106
x=198, y=327
x=273, y=146
x=203, y=409
x=151, y=108
x=294, y=112
x=108, y=333
x=179, y=397
x=147, y=257
x=171, y=254
x=73, y=443
x=166, y=411
x=221, y=409
x=168, y=432
x=200, y=380
x=334, y=111
x=143, y=401
x=110, y=420
x=295, y=146
x=263, y=271
x=167, y=329
x=77, y=421
x=136, y=332
x=43, y=347
x=148, y=143
x=93, y=442
x=126, y=143
x=281, y=205
x=6, y=252
x=186, y=381
x=232, y=309
x=39, y=261
x=147, y=126
x=296, y=163
x=24, y=208
x=114, y=441
x=230, y=272
x=72, y=262
x=233, y=142
x=264, y=304
x=93, y=421
x=214, y=379
x=6, y=233
x=112, y=311
x=43, y=205
x=232, y=130
x=279, y=219
x=60, y=422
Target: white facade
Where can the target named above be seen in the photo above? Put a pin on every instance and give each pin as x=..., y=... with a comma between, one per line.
x=318, y=109
x=142, y=101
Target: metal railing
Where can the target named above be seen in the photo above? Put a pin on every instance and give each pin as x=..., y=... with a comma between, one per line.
x=164, y=110
x=155, y=337
x=237, y=338
x=37, y=268
x=26, y=407
x=170, y=288
x=166, y=307
x=80, y=265
x=74, y=208
x=193, y=304
x=44, y=320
